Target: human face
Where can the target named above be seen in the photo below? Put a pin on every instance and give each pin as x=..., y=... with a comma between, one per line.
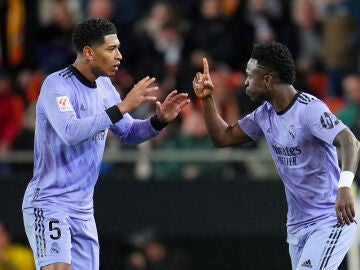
x=351, y=85
x=107, y=56
x=257, y=81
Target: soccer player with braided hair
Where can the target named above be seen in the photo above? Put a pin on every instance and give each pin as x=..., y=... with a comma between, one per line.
x=304, y=138
x=76, y=108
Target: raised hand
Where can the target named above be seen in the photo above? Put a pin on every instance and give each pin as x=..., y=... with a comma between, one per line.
x=171, y=107
x=202, y=83
x=140, y=93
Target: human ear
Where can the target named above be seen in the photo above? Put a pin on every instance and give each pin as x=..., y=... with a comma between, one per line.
x=88, y=52
x=268, y=80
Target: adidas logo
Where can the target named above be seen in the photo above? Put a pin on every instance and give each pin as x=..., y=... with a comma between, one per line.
x=82, y=107
x=307, y=264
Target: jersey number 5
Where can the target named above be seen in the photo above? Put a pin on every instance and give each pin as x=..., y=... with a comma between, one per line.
x=57, y=234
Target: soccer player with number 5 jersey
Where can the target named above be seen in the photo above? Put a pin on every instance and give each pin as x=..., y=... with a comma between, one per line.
x=76, y=108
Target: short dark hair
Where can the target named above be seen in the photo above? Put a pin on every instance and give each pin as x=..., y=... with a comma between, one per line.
x=277, y=58
x=91, y=32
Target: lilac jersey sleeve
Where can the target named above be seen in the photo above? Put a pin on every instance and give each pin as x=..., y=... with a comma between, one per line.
x=300, y=140
x=71, y=129
x=321, y=122
x=250, y=123
x=56, y=103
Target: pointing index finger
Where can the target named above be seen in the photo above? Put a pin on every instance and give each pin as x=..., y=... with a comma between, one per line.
x=206, y=66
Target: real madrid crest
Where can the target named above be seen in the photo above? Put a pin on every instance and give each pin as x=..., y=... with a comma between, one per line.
x=291, y=132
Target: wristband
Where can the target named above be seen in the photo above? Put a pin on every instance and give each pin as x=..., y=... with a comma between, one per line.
x=156, y=123
x=346, y=179
x=114, y=114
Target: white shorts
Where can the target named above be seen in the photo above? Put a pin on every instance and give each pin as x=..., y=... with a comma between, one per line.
x=55, y=236
x=321, y=245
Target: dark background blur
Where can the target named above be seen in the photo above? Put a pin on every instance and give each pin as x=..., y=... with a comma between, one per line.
x=234, y=225
x=177, y=195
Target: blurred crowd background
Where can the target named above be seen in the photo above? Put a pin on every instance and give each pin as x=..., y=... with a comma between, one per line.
x=167, y=40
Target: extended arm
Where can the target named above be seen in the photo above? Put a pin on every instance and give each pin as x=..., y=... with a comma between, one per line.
x=348, y=147
x=220, y=132
x=135, y=131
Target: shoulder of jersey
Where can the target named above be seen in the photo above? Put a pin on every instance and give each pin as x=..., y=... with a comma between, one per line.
x=59, y=76
x=65, y=73
x=264, y=107
x=305, y=98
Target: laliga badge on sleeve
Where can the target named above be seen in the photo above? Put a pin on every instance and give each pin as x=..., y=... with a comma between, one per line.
x=64, y=104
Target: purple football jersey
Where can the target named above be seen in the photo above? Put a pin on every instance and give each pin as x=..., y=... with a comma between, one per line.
x=70, y=136
x=300, y=140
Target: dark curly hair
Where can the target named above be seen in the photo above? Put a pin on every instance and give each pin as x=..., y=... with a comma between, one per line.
x=277, y=58
x=91, y=32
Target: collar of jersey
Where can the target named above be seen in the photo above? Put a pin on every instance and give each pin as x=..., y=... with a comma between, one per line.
x=290, y=105
x=81, y=77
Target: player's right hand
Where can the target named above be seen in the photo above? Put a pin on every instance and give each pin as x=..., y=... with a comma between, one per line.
x=141, y=92
x=202, y=83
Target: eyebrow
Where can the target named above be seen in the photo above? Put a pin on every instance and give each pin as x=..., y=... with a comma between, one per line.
x=113, y=46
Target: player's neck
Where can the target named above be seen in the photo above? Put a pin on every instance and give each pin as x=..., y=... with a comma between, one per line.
x=84, y=69
x=282, y=97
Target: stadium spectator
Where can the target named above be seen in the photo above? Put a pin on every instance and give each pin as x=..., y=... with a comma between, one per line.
x=102, y=9
x=262, y=19
x=243, y=32
x=11, y=113
x=340, y=29
x=158, y=38
x=12, y=33
x=350, y=114
x=152, y=253
x=160, y=257
x=54, y=37
x=211, y=31
x=158, y=42
x=28, y=84
x=307, y=20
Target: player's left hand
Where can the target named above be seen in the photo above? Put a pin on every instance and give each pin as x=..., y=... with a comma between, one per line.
x=171, y=107
x=202, y=83
x=345, y=206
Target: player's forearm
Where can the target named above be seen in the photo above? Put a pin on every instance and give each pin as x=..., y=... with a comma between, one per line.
x=139, y=131
x=74, y=131
x=350, y=156
x=349, y=148
x=215, y=125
